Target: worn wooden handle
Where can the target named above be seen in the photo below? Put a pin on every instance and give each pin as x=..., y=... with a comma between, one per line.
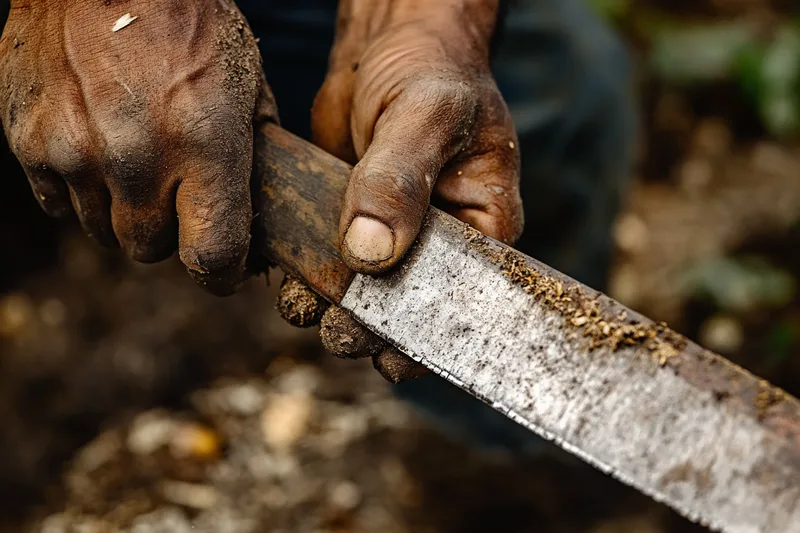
x=300, y=197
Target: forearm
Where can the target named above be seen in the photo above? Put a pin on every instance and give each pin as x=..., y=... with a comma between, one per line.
x=472, y=22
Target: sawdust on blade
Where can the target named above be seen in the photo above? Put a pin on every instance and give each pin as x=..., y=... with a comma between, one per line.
x=608, y=326
x=767, y=397
x=580, y=311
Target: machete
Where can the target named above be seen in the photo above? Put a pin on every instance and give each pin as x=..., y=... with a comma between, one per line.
x=625, y=394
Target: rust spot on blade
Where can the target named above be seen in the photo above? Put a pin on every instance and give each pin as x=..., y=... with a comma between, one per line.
x=685, y=472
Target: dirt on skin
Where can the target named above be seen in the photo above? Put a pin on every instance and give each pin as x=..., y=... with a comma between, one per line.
x=239, y=51
x=87, y=341
x=341, y=334
x=767, y=397
x=344, y=337
x=299, y=305
x=396, y=367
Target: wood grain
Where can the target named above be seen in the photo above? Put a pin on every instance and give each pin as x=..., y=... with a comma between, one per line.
x=300, y=193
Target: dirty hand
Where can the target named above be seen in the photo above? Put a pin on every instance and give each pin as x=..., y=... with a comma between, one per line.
x=410, y=98
x=143, y=126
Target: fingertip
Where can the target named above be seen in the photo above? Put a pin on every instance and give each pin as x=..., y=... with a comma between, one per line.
x=219, y=283
x=50, y=191
x=397, y=367
x=214, y=232
x=149, y=253
x=368, y=245
x=215, y=259
x=214, y=250
x=299, y=305
x=344, y=337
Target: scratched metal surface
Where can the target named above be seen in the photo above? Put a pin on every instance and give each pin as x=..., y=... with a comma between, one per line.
x=662, y=428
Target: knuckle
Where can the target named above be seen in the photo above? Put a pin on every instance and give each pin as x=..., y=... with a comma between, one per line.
x=215, y=251
x=398, y=186
x=448, y=97
x=219, y=129
x=408, y=183
x=70, y=154
x=64, y=147
x=130, y=162
x=25, y=142
x=26, y=148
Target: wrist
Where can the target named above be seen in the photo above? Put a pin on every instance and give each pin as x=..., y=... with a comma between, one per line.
x=471, y=22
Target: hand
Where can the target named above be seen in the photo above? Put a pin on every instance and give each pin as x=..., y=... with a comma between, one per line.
x=146, y=132
x=410, y=98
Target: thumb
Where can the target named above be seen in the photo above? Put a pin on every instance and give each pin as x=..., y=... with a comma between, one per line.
x=390, y=188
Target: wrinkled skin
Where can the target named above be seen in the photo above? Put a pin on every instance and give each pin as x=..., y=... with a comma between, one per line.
x=410, y=98
x=147, y=132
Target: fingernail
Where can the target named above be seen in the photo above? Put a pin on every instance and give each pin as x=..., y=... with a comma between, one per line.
x=369, y=240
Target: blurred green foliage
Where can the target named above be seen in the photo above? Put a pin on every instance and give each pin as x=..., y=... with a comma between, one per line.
x=694, y=54
x=687, y=52
x=770, y=76
x=768, y=70
x=782, y=339
x=612, y=9
x=740, y=284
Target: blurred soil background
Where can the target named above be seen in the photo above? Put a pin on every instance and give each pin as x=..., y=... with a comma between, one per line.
x=131, y=401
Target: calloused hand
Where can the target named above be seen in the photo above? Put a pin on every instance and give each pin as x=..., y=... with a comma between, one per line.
x=142, y=124
x=411, y=101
